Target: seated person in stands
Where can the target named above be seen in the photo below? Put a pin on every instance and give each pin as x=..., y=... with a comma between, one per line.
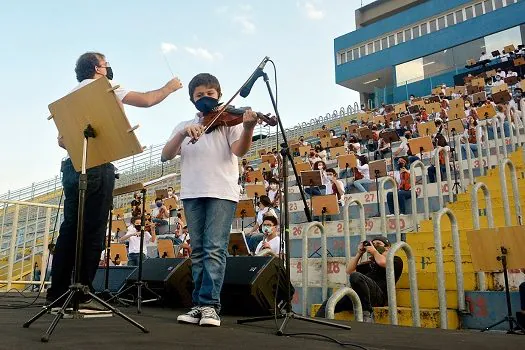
x=136, y=205
x=368, y=279
x=302, y=141
x=313, y=157
x=271, y=240
x=383, y=148
x=184, y=242
x=321, y=152
x=439, y=141
x=255, y=235
x=362, y=173
x=133, y=236
x=274, y=193
x=402, y=177
x=318, y=190
x=332, y=134
x=160, y=214
x=336, y=186
x=404, y=151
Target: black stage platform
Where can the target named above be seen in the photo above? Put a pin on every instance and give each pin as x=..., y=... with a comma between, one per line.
x=114, y=333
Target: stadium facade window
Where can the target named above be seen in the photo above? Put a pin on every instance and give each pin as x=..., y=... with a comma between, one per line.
x=377, y=46
x=399, y=38
x=408, y=34
x=459, y=16
x=370, y=48
x=478, y=9
x=424, y=29
x=432, y=26
x=415, y=32
x=498, y=4
x=450, y=20
x=356, y=53
x=441, y=22
x=469, y=12
x=384, y=43
x=391, y=40
x=362, y=52
x=487, y=5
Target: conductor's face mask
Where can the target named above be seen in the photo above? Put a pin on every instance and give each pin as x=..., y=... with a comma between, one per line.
x=206, y=104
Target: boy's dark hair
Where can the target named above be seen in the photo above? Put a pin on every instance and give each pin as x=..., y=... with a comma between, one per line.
x=331, y=170
x=86, y=63
x=204, y=79
x=158, y=199
x=271, y=218
x=135, y=218
x=273, y=180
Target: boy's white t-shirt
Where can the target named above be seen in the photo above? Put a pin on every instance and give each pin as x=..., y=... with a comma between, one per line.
x=208, y=167
x=274, y=244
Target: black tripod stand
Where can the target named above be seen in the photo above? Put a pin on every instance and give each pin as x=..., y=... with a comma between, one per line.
x=509, y=317
x=288, y=314
x=139, y=283
x=453, y=153
x=78, y=290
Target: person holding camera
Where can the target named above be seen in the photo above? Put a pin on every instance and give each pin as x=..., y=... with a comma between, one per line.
x=368, y=279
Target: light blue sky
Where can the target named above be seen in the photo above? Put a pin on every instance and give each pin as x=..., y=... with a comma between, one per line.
x=41, y=41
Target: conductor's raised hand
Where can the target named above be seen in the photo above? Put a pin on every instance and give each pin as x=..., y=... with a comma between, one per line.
x=194, y=131
x=174, y=84
x=249, y=119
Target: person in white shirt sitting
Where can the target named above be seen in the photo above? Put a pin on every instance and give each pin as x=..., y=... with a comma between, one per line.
x=484, y=56
x=271, y=240
x=133, y=236
x=274, y=193
x=255, y=235
x=499, y=81
x=364, y=170
x=160, y=215
x=336, y=186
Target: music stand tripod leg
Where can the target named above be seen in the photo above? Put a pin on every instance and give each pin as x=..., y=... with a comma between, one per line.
x=288, y=313
x=76, y=287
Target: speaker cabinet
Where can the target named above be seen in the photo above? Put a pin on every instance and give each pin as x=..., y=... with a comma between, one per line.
x=117, y=278
x=168, y=277
x=251, y=284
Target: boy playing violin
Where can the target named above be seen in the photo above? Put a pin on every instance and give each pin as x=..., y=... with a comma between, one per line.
x=209, y=193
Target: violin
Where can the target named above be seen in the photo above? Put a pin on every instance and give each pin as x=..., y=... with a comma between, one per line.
x=231, y=116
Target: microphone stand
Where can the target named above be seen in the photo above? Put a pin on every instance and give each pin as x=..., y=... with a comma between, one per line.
x=346, y=179
x=288, y=313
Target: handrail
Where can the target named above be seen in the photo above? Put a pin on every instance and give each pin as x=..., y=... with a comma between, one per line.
x=340, y=294
x=494, y=125
x=474, y=199
x=504, y=191
x=437, y=165
x=346, y=223
x=413, y=197
x=382, y=210
x=436, y=219
x=391, y=284
x=324, y=263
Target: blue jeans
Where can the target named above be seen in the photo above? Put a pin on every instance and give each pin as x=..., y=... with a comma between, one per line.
x=473, y=150
x=402, y=196
x=254, y=240
x=209, y=221
x=134, y=259
x=99, y=195
x=359, y=184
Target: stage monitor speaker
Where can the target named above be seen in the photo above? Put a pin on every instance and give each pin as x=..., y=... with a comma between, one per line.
x=250, y=286
x=117, y=278
x=169, y=277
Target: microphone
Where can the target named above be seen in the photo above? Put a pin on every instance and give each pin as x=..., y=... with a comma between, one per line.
x=245, y=90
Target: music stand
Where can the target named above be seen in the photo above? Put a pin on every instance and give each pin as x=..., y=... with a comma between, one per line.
x=119, y=249
x=95, y=131
x=378, y=119
x=427, y=128
x=347, y=161
x=336, y=142
x=399, y=108
x=495, y=53
x=255, y=191
x=337, y=151
x=244, y=209
x=391, y=117
x=406, y=121
x=303, y=167
x=390, y=136
x=420, y=144
x=485, y=112
x=165, y=248
x=510, y=81
x=237, y=245
x=498, y=249
x=304, y=150
x=323, y=134
x=325, y=205
x=501, y=97
x=414, y=109
x=163, y=193
x=377, y=169
x=255, y=176
x=479, y=97
x=352, y=129
x=311, y=178
x=366, y=134
x=118, y=226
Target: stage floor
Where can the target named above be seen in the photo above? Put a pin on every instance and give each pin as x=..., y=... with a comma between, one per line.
x=165, y=333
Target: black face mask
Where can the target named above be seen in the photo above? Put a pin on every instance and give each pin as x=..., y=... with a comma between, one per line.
x=109, y=74
x=206, y=104
x=138, y=227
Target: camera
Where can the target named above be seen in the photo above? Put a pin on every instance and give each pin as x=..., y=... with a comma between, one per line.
x=366, y=243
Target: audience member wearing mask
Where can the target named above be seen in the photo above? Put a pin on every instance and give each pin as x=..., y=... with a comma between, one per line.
x=271, y=239
x=402, y=177
x=318, y=190
x=160, y=214
x=133, y=236
x=255, y=235
x=274, y=193
x=364, y=170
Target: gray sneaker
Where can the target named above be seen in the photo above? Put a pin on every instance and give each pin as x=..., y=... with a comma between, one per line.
x=209, y=317
x=368, y=317
x=193, y=316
